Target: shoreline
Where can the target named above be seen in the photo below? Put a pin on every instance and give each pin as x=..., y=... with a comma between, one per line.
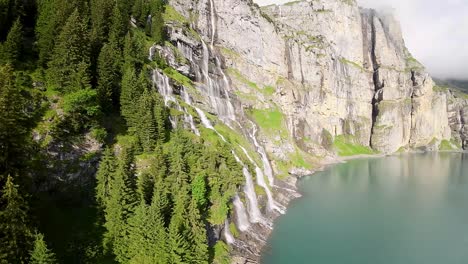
x=324, y=166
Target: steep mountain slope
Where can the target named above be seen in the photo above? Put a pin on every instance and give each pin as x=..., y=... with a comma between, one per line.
x=291, y=87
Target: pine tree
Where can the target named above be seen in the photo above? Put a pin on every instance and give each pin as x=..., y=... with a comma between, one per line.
x=11, y=49
x=129, y=96
x=109, y=76
x=104, y=177
x=119, y=25
x=15, y=234
x=179, y=235
x=69, y=66
x=14, y=121
x=199, y=245
x=146, y=123
x=122, y=201
x=157, y=22
x=101, y=10
x=40, y=253
x=52, y=15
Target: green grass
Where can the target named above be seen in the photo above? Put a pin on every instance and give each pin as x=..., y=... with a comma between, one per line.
x=233, y=229
x=292, y=3
x=271, y=120
x=229, y=52
x=352, y=63
x=269, y=90
x=346, y=147
x=446, y=145
x=178, y=77
x=170, y=14
x=236, y=74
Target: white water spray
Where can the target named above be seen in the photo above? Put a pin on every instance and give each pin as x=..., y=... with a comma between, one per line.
x=249, y=190
x=266, y=163
x=242, y=218
x=261, y=182
x=227, y=233
x=213, y=21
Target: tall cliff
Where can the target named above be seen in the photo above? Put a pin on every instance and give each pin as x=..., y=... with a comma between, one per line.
x=293, y=86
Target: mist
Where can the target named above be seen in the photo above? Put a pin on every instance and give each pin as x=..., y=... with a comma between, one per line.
x=436, y=32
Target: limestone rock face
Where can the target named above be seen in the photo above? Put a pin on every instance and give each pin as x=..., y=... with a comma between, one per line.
x=309, y=74
x=336, y=69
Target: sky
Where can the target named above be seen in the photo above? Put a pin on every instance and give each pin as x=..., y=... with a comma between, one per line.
x=435, y=31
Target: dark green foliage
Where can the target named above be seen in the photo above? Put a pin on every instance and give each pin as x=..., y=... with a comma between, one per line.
x=70, y=62
x=40, y=253
x=80, y=109
x=156, y=189
x=129, y=96
x=109, y=76
x=52, y=15
x=15, y=234
x=120, y=206
x=104, y=177
x=14, y=120
x=11, y=49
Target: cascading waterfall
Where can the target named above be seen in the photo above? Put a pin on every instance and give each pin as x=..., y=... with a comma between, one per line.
x=261, y=182
x=213, y=22
x=242, y=218
x=249, y=190
x=165, y=89
x=227, y=233
x=266, y=163
x=188, y=117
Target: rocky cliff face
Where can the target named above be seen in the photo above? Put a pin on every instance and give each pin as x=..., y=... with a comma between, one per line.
x=289, y=87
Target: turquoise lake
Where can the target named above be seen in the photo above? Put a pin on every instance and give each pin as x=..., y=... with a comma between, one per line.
x=408, y=209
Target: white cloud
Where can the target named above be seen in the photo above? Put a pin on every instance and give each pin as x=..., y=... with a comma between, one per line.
x=435, y=31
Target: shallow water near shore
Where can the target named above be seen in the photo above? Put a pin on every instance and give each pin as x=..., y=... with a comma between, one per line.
x=408, y=209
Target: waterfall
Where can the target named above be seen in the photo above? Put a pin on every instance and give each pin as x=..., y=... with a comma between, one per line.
x=242, y=219
x=249, y=190
x=188, y=117
x=261, y=182
x=163, y=86
x=213, y=22
x=206, y=123
x=266, y=163
x=165, y=89
x=227, y=233
x=151, y=52
x=216, y=91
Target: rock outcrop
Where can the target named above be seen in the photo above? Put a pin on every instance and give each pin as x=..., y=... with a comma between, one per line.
x=314, y=77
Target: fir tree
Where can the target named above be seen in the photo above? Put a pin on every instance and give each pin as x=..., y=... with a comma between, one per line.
x=52, y=15
x=14, y=121
x=179, y=235
x=104, y=177
x=15, y=234
x=40, y=253
x=121, y=205
x=11, y=49
x=199, y=245
x=146, y=123
x=129, y=96
x=69, y=66
x=109, y=76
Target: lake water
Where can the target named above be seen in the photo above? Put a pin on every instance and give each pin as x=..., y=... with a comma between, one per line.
x=409, y=209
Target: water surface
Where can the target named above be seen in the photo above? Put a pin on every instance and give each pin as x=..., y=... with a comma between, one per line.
x=409, y=209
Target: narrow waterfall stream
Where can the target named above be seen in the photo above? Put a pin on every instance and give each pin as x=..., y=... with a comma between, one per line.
x=227, y=233
x=261, y=182
x=242, y=219
x=266, y=163
x=249, y=190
